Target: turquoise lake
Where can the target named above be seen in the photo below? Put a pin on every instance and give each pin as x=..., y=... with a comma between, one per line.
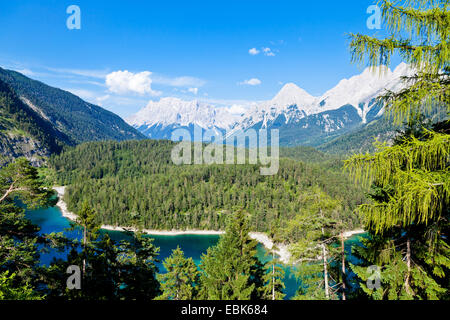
x=51, y=220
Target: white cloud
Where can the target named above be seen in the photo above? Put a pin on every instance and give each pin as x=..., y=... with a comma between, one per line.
x=123, y=82
x=268, y=52
x=193, y=90
x=251, y=82
x=265, y=50
x=253, y=51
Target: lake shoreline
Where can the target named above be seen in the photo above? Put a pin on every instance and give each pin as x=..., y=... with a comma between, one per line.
x=282, y=250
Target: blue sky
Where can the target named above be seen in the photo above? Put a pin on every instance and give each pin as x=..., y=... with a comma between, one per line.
x=186, y=49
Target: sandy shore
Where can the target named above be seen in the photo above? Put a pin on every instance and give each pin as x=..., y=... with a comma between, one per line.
x=348, y=234
x=72, y=216
x=164, y=233
x=62, y=205
x=282, y=249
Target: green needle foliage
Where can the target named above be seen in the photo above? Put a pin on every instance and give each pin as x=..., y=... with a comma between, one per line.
x=231, y=270
x=19, y=179
x=20, y=241
x=408, y=213
x=9, y=292
x=418, y=172
x=86, y=219
x=182, y=278
x=124, y=270
x=273, y=279
x=137, y=268
x=136, y=184
x=419, y=33
x=316, y=224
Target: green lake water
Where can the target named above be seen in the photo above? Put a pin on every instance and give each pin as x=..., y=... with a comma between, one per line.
x=51, y=220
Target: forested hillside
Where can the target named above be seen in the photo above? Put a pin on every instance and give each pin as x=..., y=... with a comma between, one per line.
x=23, y=132
x=361, y=140
x=135, y=183
x=77, y=119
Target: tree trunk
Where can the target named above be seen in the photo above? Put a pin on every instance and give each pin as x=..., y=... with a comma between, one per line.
x=273, y=277
x=343, y=265
x=325, y=268
x=9, y=191
x=325, y=271
x=408, y=264
x=84, y=246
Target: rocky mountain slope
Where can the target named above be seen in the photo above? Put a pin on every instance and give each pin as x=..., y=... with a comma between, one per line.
x=37, y=120
x=301, y=118
x=78, y=120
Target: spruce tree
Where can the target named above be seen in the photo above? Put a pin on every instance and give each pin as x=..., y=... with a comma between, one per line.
x=20, y=241
x=407, y=217
x=10, y=291
x=137, y=270
x=273, y=278
x=314, y=252
x=182, y=278
x=231, y=269
x=86, y=219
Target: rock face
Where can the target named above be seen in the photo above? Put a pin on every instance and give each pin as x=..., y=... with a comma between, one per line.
x=37, y=120
x=13, y=146
x=159, y=119
x=300, y=117
x=76, y=120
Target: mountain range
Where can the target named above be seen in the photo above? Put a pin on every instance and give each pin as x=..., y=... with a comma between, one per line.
x=37, y=120
x=302, y=119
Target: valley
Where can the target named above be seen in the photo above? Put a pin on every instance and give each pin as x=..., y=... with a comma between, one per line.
x=176, y=153
x=301, y=118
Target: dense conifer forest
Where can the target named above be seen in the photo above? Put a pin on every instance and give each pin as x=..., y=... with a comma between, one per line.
x=399, y=194
x=135, y=183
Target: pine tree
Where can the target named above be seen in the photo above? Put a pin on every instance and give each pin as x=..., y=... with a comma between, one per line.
x=314, y=251
x=124, y=270
x=231, y=270
x=407, y=217
x=20, y=241
x=10, y=291
x=86, y=219
x=273, y=278
x=20, y=179
x=182, y=278
x=137, y=269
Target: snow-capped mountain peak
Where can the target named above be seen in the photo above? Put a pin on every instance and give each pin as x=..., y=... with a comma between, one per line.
x=169, y=111
x=350, y=103
x=360, y=90
x=291, y=95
